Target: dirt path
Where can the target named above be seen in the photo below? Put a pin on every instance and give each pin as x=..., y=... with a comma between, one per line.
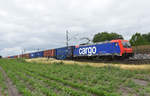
x=12, y=91
x=0, y=92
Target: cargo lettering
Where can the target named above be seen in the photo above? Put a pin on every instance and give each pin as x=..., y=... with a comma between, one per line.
x=89, y=51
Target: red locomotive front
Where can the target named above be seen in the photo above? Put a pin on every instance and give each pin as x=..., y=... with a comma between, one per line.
x=125, y=48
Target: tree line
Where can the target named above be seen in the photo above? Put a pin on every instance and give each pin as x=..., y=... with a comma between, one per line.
x=136, y=39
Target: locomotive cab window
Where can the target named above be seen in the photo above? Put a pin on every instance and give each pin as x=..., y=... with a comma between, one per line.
x=126, y=44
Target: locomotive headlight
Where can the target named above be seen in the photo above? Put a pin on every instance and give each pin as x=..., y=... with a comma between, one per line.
x=116, y=44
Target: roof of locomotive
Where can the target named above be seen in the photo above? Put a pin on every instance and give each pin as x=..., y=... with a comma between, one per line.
x=104, y=42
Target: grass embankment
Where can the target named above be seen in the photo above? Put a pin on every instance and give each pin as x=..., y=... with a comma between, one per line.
x=142, y=49
x=122, y=66
x=58, y=79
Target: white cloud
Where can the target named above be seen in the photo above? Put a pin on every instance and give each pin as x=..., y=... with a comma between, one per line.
x=11, y=51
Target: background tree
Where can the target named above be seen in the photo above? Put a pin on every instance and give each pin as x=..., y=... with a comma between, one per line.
x=105, y=36
x=140, y=39
x=147, y=37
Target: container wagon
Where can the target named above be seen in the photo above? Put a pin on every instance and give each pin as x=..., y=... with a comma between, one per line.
x=25, y=56
x=49, y=53
x=36, y=54
x=64, y=53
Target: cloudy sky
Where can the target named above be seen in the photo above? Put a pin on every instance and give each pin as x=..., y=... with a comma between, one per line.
x=33, y=24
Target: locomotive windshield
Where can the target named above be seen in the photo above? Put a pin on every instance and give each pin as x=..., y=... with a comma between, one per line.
x=126, y=44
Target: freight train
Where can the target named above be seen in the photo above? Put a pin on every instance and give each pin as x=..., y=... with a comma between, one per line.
x=103, y=50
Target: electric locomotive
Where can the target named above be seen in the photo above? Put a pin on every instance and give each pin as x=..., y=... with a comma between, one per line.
x=108, y=49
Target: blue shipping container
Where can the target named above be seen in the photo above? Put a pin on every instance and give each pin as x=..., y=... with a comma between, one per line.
x=11, y=56
x=100, y=49
x=36, y=54
x=64, y=52
x=32, y=55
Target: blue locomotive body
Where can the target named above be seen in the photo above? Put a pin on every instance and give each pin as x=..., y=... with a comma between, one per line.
x=101, y=49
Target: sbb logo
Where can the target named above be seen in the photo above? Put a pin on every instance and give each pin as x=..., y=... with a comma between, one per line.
x=89, y=51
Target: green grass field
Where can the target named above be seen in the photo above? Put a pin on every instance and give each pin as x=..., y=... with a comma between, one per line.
x=58, y=79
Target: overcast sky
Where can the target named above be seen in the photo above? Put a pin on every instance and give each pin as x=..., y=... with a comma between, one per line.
x=33, y=24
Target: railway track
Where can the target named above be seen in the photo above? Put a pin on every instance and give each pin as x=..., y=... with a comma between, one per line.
x=138, y=61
